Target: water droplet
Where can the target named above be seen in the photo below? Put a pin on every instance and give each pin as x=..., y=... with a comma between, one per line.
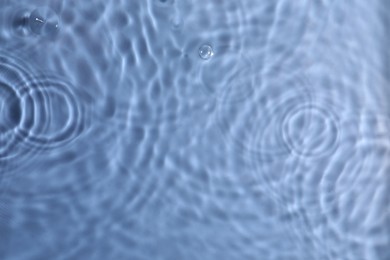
x=206, y=52
x=44, y=21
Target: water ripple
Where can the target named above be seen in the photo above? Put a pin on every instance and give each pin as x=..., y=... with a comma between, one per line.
x=255, y=124
x=336, y=202
x=310, y=130
x=12, y=73
x=38, y=114
x=193, y=130
x=51, y=116
x=357, y=185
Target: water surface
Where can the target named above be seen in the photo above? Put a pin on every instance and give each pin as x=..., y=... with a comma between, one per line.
x=166, y=129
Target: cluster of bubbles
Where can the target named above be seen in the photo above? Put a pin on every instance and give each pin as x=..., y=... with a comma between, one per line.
x=42, y=21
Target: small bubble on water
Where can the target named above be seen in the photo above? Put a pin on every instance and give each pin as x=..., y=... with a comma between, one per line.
x=206, y=51
x=44, y=21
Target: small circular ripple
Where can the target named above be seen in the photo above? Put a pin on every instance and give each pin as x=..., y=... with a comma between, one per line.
x=310, y=131
x=254, y=124
x=339, y=199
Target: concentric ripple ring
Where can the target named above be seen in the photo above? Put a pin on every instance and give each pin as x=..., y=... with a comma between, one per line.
x=310, y=131
x=38, y=126
x=12, y=73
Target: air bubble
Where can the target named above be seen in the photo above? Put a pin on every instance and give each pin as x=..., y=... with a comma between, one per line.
x=206, y=52
x=44, y=21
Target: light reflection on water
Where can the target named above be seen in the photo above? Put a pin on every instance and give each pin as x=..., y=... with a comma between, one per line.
x=166, y=129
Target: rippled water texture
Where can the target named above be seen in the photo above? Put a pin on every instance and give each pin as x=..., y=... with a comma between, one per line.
x=194, y=130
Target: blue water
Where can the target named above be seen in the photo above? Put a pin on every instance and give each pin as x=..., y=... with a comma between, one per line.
x=194, y=130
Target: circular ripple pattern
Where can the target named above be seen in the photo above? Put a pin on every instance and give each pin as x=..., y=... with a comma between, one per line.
x=255, y=124
x=12, y=73
x=338, y=201
x=51, y=114
x=36, y=113
x=153, y=175
x=254, y=127
x=310, y=131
